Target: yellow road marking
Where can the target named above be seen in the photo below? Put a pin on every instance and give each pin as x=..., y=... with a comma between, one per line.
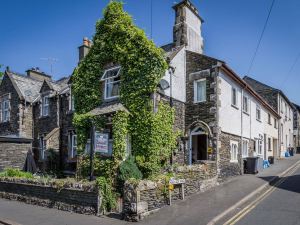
x=258, y=200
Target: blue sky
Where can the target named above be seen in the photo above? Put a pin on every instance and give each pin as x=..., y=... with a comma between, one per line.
x=35, y=29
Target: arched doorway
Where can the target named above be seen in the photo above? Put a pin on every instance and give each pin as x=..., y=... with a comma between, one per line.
x=199, y=144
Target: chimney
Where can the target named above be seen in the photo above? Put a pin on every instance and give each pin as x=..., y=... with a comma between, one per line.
x=187, y=28
x=36, y=74
x=84, y=48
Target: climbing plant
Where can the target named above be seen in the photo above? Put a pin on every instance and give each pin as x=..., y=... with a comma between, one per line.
x=118, y=41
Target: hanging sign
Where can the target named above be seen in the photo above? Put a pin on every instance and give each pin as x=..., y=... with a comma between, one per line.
x=101, y=142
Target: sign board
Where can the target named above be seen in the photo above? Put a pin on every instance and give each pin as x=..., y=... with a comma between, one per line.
x=174, y=181
x=101, y=142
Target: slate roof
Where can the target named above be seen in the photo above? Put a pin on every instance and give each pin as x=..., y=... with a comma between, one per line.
x=108, y=108
x=264, y=90
x=171, y=51
x=29, y=88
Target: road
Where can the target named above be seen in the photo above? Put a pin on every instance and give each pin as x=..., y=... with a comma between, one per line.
x=276, y=205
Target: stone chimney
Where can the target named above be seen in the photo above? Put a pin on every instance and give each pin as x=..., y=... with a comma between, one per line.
x=187, y=28
x=36, y=74
x=84, y=48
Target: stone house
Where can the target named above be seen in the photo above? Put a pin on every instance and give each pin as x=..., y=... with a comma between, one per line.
x=283, y=106
x=36, y=114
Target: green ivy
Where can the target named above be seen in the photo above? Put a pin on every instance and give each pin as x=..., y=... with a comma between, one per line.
x=118, y=41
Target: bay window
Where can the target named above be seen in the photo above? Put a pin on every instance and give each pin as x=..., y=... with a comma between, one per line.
x=45, y=106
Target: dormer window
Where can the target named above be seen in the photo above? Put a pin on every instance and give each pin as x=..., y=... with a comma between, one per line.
x=45, y=106
x=112, y=82
x=5, y=108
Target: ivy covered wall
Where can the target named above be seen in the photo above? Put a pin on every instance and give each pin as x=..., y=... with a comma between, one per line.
x=117, y=40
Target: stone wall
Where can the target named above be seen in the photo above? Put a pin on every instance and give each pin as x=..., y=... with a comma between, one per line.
x=66, y=126
x=145, y=197
x=227, y=168
x=12, y=126
x=199, y=67
x=13, y=152
x=66, y=199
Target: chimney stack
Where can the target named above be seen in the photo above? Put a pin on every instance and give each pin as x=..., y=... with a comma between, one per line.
x=187, y=28
x=84, y=48
x=36, y=74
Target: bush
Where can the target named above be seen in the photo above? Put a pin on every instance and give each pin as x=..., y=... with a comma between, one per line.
x=106, y=192
x=10, y=172
x=128, y=169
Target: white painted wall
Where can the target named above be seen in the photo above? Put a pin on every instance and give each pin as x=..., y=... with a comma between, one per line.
x=286, y=121
x=233, y=121
x=195, y=40
x=179, y=77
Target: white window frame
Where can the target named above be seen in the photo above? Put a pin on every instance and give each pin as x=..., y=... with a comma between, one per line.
x=260, y=145
x=269, y=119
x=5, y=109
x=196, y=90
x=245, y=149
x=71, y=101
x=245, y=106
x=258, y=113
x=234, y=98
x=234, y=151
x=109, y=80
x=42, y=147
x=72, y=145
x=45, y=106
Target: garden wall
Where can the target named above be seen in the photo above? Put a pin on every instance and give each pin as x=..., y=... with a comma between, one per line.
x=73, y=198
x=145, y=197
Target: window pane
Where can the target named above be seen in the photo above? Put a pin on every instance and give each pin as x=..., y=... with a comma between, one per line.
x=201, y=91
x=111, y=73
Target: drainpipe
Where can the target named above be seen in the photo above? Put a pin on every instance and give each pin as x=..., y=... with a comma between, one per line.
x=242, y=127
x=171, y=72
x=217, y=118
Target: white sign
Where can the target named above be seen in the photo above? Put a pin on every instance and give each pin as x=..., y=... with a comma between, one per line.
x=101, y=142
x=174, y=181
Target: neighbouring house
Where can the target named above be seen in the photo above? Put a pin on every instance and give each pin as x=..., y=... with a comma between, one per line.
x=283, y=106
x=296, y=126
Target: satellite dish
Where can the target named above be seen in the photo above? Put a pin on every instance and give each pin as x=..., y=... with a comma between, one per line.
x=164, y=84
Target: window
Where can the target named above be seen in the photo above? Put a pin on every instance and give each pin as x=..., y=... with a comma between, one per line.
x=71, y=101
x=275, y=123
x=233, y=97
x=245, y=149
x=233, y=151
x=259, y=145
x=112, y=82
x=269, y=144
x=200, y=91
x=72, y=145
x=258, y=113
x=269, y=119
x=45, y=106
x=245, y=104
x=42, y=147
x=5, y=109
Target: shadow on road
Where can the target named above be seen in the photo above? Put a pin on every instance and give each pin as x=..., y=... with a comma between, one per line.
x=292, y=183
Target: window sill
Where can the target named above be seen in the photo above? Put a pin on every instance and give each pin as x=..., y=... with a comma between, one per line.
x=246, y=113
x=234, y=106
x=44, y=117
x=234, y=161
x=199, y=102
x=258, y=120
x=270, y=150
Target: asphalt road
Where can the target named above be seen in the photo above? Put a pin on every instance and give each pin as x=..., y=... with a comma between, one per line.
x=281, y=206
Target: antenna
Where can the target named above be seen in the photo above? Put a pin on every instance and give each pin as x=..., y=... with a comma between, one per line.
x=51, y=61
x=151, y=18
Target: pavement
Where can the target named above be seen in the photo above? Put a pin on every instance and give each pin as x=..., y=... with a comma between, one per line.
x=196, y=209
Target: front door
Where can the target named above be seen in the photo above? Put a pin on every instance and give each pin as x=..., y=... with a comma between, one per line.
x=198, y=146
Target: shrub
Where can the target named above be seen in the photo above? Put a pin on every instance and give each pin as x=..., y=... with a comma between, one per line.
x=128, y=170
x=10, y=172
x=108, y=196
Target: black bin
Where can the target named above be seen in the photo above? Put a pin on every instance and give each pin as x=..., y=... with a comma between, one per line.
x=271, y=159
x=252, y=165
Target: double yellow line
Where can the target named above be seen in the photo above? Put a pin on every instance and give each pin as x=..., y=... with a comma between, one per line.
x=258, y=200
